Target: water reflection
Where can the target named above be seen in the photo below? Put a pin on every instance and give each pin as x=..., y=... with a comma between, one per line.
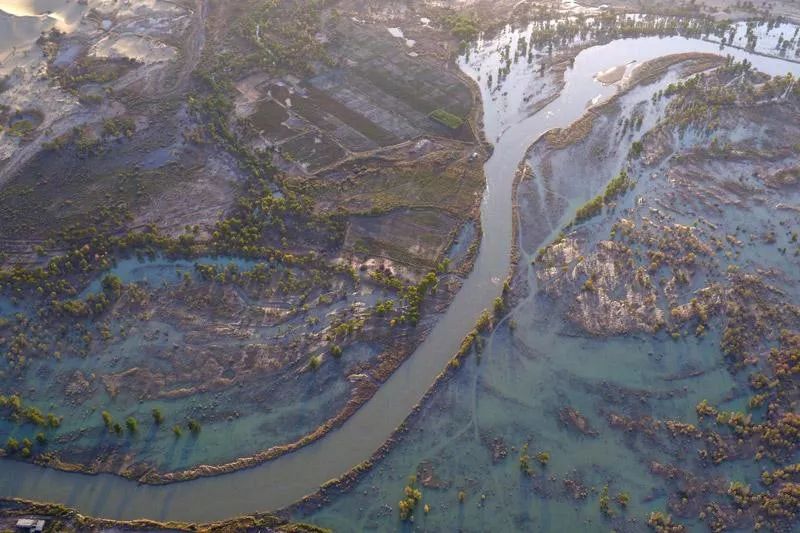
x=512, y=393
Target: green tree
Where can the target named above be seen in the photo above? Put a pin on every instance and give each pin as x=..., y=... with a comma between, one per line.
x=623, y=498
x=112, y=285
x=53, y=421
x=543, y=457
x=605, y=506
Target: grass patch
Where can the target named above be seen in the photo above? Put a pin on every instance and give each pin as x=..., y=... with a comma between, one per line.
x=21, y=128
x=445, y=181
x=560, y=138
x=615, y=188
x=447, y=119
x=415, y=237
x=590, y=209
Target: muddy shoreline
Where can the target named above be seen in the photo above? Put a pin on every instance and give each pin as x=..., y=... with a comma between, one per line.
x=365, y=391
x=362, y=392
x=18, y=508
x=346, y=482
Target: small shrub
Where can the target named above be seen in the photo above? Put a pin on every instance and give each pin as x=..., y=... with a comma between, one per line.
x=12, y=445
x=21, y=128
x=605, y=505
x=499, y=306
x=543, y=458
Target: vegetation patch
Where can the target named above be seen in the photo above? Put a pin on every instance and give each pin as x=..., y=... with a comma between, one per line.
x=447, y=119
x=615, y=188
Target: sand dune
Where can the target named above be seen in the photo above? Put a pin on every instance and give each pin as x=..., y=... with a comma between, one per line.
x=22, y=21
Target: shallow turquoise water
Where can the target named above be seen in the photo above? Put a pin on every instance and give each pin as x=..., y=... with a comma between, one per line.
x=515, y=390
x=241, y=420
x=515, y=393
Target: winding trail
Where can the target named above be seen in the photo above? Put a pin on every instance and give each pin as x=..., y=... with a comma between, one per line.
x=158, y=82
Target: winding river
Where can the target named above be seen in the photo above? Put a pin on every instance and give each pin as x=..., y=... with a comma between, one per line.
x=281, y=482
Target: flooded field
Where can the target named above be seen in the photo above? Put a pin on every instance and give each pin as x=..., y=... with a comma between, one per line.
x=641, y=191
x=537, y=382
x=189, y=290
x=141, y=369
x=547, y=426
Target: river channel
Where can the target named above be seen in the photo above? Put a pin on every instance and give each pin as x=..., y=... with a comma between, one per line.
x=281, y=482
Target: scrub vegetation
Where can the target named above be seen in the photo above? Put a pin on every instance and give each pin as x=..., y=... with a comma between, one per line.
x=225, y=225
x=268, y=219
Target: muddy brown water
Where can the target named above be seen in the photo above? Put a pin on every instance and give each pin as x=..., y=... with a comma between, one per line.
x=283, y=481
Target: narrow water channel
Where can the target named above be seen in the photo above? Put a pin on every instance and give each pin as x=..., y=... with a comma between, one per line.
x=285, y=480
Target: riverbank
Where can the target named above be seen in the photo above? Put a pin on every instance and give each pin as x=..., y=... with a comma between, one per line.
x=315, y=302
x=452, y=452
x=648, y=72
x=370, y=426
x=64, y=520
